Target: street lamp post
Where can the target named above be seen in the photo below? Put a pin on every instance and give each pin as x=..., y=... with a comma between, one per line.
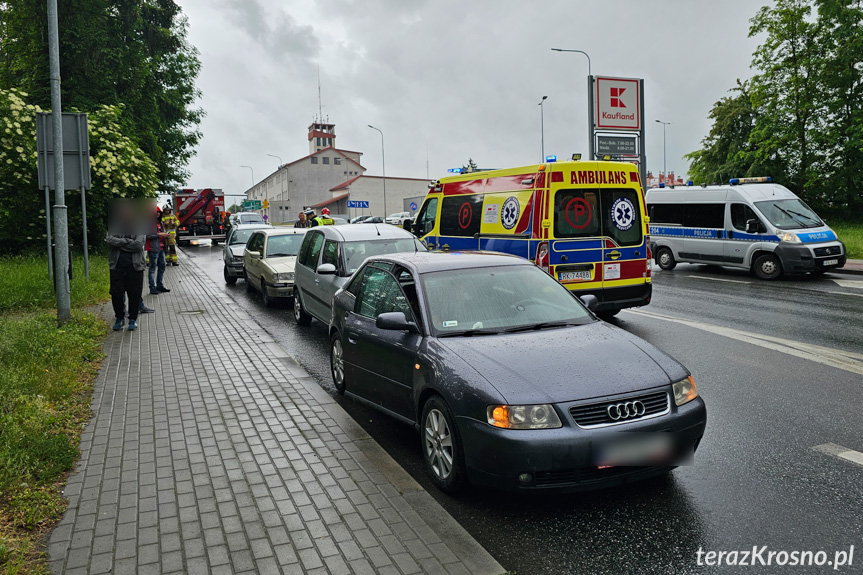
x=664, y=167
x=253, y=178
x=384, y=166
x=542, y=128
x=590, y=111
x=276, y=157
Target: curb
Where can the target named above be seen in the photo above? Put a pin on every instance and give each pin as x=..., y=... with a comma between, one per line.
x=474, y=556
x=847, y=271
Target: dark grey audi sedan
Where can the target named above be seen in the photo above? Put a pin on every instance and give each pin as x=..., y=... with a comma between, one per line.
x=509, y=378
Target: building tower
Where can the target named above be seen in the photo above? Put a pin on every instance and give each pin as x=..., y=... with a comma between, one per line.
x=321, y=136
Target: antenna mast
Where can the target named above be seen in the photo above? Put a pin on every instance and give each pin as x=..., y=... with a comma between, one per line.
x=320, y=104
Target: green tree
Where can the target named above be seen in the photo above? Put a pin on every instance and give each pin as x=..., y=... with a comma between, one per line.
x=842, y=92
x=469, y=167
x=119, y=168
x=729, y=151
x=130, y=52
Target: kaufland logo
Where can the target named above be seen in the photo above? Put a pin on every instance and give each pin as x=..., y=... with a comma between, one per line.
x=617, y=103
x=616, y=95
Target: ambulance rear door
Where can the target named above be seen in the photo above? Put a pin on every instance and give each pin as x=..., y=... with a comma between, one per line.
x=625, y=250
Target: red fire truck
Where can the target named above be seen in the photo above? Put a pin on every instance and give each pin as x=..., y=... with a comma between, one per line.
x=201, y=214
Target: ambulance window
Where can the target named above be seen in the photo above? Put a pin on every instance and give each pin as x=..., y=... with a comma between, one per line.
x=739, y=214
x=426, y=218
x=461, y=215
x=575, y=214
x=621, y=216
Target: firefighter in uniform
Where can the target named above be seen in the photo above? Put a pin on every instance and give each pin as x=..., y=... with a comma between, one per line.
x=170, y=222
x=324, y=219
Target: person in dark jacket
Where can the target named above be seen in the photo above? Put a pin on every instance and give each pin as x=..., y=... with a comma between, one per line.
x=156, y=252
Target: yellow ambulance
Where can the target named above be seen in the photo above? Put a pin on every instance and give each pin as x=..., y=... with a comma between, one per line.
x=584, y=223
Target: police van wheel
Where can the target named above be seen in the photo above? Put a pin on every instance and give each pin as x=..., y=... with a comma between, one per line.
x=665, y=259
x=767, y=267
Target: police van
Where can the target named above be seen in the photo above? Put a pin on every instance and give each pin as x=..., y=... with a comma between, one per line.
x=582, y=222
x=751, y=223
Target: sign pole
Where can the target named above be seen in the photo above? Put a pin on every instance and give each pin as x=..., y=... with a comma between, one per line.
x=81, y=148
x=642, y=141
x=48, y=232
x=61, y=260
x=591, y=125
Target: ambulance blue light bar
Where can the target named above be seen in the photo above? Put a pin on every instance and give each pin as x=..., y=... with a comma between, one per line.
x=550, y=159
x=454, y=170
x=761, y=180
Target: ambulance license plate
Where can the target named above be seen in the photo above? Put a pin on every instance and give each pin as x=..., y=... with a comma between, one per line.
x=829, y=262
x=571, y=276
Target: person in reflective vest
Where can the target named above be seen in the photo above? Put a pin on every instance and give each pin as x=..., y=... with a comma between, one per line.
x=170, y=222
x=324, y=219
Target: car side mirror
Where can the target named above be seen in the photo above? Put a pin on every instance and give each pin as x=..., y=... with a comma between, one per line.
x=395, y=321
x=344, y=300
x=752, y=226
x=590, y=301
x=255, y=255
x=327, y=270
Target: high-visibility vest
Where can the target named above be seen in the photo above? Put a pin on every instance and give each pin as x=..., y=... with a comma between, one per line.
x=325, y=221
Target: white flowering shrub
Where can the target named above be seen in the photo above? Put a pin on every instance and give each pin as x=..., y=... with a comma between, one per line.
x=118, y=168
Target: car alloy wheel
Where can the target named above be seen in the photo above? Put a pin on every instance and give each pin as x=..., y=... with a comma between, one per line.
x=300, y=315
x=229, y=279
x=337, y=363
x=439, y=446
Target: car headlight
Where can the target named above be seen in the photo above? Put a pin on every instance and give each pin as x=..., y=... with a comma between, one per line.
x=283, y=277
x=236, y=259
x=523, y=416
x=787, y=237
x=684, y=391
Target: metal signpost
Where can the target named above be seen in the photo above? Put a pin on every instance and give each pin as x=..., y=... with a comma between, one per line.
x=76, y=167
x=616, y=108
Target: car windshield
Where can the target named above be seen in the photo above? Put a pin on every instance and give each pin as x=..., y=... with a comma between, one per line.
x=240, y=237
x=282, y=246
x=789, y=214
x=499, y=299
x=357, y=252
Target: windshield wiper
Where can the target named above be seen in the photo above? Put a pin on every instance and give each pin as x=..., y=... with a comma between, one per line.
x=787, y=213
x=537, y=326
x=810, y=218
x=469, y=332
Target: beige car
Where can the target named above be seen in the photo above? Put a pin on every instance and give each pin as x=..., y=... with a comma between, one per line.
x=268, y=262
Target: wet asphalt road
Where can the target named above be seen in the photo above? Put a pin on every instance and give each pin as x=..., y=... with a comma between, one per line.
x=756, y=479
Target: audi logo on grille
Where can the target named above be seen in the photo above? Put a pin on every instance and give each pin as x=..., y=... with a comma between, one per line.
x=628, y=410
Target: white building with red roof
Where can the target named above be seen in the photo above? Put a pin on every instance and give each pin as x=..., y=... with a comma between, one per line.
x=330, y=177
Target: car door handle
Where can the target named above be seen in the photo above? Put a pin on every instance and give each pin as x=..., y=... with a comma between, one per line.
x=317, y=281
x=352, y=337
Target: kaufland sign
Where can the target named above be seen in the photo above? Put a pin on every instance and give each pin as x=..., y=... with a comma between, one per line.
x=617, y=101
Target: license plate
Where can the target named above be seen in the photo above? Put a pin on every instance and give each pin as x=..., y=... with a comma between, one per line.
x=829, y=262
x=570, y=276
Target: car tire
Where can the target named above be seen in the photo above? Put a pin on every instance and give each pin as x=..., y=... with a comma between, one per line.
x=229, y=279
x=265, y=297
x=249, y=286
x=767, y=267
x=300, y=315
x=665, y=259
x=337, y=364
x=441, y=446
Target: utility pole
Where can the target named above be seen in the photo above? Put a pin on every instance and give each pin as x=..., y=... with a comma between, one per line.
x=542, y=128
x=384, y=164
x=61, y=225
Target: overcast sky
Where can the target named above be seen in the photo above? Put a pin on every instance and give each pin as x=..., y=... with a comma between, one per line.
x=460, y=79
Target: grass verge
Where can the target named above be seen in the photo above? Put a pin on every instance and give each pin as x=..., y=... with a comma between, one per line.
x=851, y=233
x=46, y=377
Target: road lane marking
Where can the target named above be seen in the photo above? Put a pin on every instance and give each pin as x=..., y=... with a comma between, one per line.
x=845, y=293
x=719, y=279
x=845, y=360
x=856, y=284
x=840, y=452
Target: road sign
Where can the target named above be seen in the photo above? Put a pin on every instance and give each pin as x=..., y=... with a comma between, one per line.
x=251, y=205
x=358, y=204
x=265, y=217
x=616, y=145
x=618, y=102
x=266, y=204
x=76, y=151
x=413, y=206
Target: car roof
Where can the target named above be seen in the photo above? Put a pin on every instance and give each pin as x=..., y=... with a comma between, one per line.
x=283, y=231
x=426, y=262
x=352, y=233
x=255, y=226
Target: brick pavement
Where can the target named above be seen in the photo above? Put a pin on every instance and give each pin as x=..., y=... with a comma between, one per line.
x=212, y=451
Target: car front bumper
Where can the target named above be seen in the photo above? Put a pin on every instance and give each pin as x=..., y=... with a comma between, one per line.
x=235, y=270
x=563, y=458
x=798, y=259
x=280, y=290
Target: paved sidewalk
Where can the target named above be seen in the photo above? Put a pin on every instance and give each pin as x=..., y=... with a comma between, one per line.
x=851, y=267
x=212, y=451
